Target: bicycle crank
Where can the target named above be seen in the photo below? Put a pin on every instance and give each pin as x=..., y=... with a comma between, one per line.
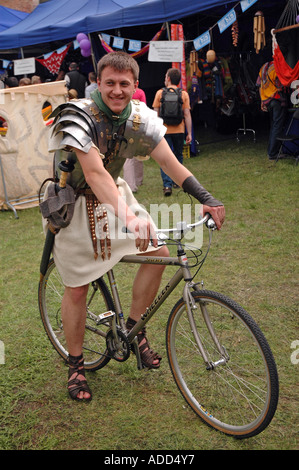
x=118, y=348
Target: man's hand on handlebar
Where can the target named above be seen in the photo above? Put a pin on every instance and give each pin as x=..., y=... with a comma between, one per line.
x=144, y=232
x=217, y=212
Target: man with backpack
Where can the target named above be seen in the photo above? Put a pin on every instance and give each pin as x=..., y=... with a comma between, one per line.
x=173, y=106
x=76, y=80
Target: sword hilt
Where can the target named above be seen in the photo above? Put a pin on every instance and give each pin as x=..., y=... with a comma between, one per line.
x=65, y=167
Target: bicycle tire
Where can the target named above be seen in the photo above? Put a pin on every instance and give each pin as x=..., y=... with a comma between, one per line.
x=99, y=300
x=239, y=398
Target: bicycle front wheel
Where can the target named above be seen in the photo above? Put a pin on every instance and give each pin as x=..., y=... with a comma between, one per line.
x=99, y=301
x=237, y=391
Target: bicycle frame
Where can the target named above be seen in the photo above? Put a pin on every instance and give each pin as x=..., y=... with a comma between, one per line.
x=183, y=272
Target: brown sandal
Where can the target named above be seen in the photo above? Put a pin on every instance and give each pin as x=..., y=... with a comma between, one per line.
x=75, y=385
x=147, y=355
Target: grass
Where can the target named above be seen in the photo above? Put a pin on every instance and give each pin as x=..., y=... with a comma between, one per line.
x=253, y=259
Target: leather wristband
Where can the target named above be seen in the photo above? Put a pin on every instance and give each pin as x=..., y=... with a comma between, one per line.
x=195, y=189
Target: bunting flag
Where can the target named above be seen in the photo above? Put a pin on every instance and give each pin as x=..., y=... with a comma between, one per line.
x=54, y=60
x=136, y=54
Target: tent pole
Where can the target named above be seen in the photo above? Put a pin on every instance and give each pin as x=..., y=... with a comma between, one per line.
x=22, y=55
x=92, y=54
x=167, y=29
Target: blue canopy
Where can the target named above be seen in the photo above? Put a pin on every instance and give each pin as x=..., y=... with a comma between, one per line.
x=64, y=19
x=9, y=17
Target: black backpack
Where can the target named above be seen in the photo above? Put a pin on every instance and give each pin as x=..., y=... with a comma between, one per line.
x=171, y=109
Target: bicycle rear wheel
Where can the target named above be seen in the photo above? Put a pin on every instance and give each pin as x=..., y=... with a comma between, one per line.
x=99, y=300
x=237, y=396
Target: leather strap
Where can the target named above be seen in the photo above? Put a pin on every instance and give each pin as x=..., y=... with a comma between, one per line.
x=195, y=189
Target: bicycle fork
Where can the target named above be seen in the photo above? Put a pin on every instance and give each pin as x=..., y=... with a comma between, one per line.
x=191, y=307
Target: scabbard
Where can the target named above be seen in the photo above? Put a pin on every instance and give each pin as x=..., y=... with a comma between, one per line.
x=49, y=242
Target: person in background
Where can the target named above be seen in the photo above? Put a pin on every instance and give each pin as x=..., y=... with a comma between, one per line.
x=35, y=80
x=24, y=81
x=60, y=76
x=72, y=94
x=175, y=135
x=11, y=82
x=92, y=78
x=75, y=79
x=273, y=101
x=133, y=168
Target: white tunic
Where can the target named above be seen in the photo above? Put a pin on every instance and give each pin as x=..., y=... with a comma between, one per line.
x=73, y=249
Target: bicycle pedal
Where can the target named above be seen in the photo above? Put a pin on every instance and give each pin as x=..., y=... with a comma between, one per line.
x=103, y=316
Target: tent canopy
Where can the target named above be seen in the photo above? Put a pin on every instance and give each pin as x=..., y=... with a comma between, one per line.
x=64, y=19
x=9, y=17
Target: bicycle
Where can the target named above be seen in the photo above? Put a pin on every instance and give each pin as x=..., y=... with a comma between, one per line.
x=219, y=358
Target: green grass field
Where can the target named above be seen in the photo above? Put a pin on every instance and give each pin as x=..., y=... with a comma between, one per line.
x=253, y=259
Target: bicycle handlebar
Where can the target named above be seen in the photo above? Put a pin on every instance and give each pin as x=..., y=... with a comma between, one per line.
x=182, y=227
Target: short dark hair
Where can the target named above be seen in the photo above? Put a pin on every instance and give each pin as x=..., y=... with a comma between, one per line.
x=73, y=66
x=11, y=82
x=119, y=61
x=92, y=76
x=174, y=76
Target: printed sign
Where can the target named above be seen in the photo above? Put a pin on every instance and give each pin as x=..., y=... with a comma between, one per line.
x=24, y=66
x=166, y=51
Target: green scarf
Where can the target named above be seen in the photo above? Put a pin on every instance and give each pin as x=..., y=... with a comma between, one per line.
x=117, y=119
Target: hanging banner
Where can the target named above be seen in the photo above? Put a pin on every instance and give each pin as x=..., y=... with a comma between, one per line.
x=54, y=60
x=227, y=20
x=183, y=63
x=245, y=4
x=202, y=40
x=174, y=37
x=166, y=51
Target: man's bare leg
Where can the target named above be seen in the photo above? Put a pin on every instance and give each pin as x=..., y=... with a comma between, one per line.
x=73, y=312
x=146, y=286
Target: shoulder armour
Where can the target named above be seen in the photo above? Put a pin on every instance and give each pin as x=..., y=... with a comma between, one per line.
x=72, y=127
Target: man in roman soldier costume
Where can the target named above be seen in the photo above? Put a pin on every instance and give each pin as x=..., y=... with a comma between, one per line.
x=97, y=135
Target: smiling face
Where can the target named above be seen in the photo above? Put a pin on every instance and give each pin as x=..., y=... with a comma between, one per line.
x=117, y=88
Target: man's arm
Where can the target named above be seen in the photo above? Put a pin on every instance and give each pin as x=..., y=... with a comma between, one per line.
x=105, y=189
x=163, y=155
x=188, y=124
